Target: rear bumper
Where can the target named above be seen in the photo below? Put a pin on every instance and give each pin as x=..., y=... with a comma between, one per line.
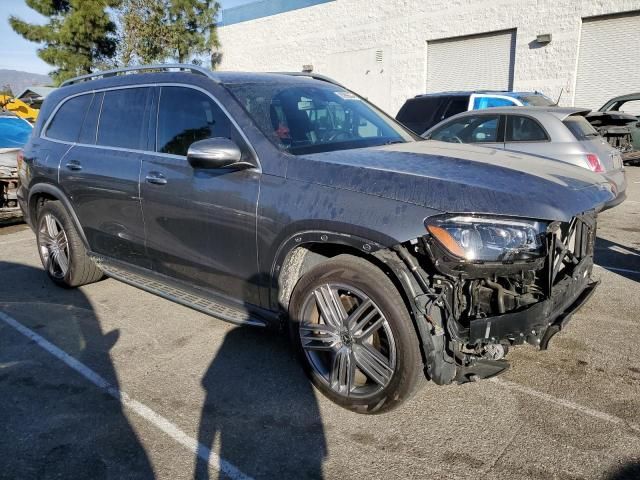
x=538, y=323
x=618, y=180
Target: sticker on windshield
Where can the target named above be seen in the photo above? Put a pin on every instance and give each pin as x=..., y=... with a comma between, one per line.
x=347, y=95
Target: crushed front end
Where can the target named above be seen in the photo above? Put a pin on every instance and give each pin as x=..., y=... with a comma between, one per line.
x=9, y=208
x=485, y=284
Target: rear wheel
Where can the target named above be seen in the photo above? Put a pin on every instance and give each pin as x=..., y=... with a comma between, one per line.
x=61, y=250
x=354, y=335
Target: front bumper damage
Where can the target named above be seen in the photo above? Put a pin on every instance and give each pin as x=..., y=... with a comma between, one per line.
x=468, y=315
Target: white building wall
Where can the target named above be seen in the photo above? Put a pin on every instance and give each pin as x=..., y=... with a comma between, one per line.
x=402, y=28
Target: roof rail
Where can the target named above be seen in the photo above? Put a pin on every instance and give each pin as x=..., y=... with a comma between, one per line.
x=315, y=76
x=164, y=67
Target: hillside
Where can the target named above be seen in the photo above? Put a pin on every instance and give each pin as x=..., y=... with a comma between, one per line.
x=20, y=80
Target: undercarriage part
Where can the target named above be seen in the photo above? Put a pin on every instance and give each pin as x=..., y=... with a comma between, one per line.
x=8, y=199
x=481, y=369
x=617, y=128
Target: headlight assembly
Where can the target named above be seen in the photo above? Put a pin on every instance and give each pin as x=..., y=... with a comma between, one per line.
x=489, y=239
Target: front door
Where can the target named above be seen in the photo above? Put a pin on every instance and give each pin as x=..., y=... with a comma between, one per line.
x=100, y=173
x=200, y=223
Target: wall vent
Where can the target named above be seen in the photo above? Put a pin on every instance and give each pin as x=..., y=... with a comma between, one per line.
x=378, y=55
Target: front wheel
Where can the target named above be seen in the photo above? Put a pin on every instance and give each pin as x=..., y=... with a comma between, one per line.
x=354, y=335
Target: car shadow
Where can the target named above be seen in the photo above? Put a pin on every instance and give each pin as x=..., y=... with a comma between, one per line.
x=618, y=258
x=260, y=409
x=56, y=424
x=628, y=471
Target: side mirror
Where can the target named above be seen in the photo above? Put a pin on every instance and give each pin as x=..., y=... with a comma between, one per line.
x=215, y=152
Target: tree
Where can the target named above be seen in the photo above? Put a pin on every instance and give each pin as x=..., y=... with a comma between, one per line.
x=156, y=30
x=78, y=36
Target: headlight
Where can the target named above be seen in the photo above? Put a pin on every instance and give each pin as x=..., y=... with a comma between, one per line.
x=489, y=239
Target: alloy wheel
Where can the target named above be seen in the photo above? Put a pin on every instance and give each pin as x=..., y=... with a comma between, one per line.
x=54, y=246
x=347, y=340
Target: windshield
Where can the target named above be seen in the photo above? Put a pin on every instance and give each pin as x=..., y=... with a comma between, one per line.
x=14, y=132
x=580, y=127
x=536, y=100
x=314, y=118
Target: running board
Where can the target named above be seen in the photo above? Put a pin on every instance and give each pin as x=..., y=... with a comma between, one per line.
x=188, y=299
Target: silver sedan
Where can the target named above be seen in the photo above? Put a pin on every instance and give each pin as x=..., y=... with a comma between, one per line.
x=552, y=132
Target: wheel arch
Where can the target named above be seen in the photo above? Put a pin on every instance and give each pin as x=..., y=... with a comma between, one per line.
x=43, y=192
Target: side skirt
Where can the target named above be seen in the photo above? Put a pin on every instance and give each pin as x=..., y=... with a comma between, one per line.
x=189, y=296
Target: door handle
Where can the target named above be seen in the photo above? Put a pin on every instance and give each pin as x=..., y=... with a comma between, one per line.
x=74, y=165
x=156, y=178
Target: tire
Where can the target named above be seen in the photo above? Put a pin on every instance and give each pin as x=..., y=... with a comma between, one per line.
x=61, y=250
x=368, y=362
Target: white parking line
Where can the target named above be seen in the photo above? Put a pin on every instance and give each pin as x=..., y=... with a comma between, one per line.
x=142, y=410
x=566, y=403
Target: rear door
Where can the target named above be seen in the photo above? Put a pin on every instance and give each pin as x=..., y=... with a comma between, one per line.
x=100, y=173
x=201, y=223
x=526, y=134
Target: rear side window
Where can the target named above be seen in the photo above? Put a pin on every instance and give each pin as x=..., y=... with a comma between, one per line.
x=488, y=102
x=524, y=129
x=122, y=120
x=420, y=114
x=67, y=121
x=90, y=125
x=186, y=116
x=580, y=127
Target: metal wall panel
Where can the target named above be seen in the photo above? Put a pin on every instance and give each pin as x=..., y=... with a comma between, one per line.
x=608, y=60
x=474, y=62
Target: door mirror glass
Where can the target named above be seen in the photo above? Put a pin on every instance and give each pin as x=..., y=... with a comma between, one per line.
x=215, y=152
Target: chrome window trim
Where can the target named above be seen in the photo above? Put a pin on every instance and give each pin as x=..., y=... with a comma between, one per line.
x=44, y=136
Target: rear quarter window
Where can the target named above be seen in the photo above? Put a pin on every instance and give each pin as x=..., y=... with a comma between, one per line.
x=67, y=121
x=524, y=129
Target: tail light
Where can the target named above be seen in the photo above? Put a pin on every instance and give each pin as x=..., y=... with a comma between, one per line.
x=594, y=163
x=20, y=159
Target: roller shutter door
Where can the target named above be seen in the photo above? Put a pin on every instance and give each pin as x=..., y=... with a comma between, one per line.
x=471, y=63
x=608, y=60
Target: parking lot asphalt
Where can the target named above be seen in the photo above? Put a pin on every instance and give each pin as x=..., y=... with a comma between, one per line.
x=108, y=381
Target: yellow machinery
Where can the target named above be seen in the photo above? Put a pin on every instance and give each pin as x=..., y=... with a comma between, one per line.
x=18, y=107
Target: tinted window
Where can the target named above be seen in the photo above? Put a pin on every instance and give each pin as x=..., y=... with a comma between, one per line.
x=487, y=102
x=186, y=116
x=524, y=129
x=90, y=125
x=122, y=120
x=580, y=127
x=68, y=119
x=308, y=117
x=419, y=114
x=456, y=105
x=469, y=129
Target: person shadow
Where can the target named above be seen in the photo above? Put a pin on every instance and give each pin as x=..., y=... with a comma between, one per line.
x=54, y=422
x=620, y=259
x=260, y=410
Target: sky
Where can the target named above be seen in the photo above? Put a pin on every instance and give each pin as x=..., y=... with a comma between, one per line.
x=16, y=53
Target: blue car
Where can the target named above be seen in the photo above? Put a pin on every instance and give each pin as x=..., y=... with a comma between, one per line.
x=14, y=134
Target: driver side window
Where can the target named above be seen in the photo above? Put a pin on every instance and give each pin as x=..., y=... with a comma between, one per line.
x=186, y=116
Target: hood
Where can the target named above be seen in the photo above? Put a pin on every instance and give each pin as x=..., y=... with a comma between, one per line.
x=460, y=179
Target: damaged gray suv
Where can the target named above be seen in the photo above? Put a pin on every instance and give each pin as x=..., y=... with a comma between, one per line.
x=280, y=200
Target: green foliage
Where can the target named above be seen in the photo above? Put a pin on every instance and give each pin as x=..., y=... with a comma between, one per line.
x=157, y=30
x=6, y=90
x=78, y=36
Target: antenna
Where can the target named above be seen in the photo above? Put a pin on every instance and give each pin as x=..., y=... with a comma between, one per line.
x=559, y=97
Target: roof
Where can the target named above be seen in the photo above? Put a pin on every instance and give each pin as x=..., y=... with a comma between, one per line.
x=628, y=96
x=37, y=90
x=460, y=93
x=560, y=112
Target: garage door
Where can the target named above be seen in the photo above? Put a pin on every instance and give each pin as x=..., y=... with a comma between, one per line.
x=471, y=63
x=609, y=59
